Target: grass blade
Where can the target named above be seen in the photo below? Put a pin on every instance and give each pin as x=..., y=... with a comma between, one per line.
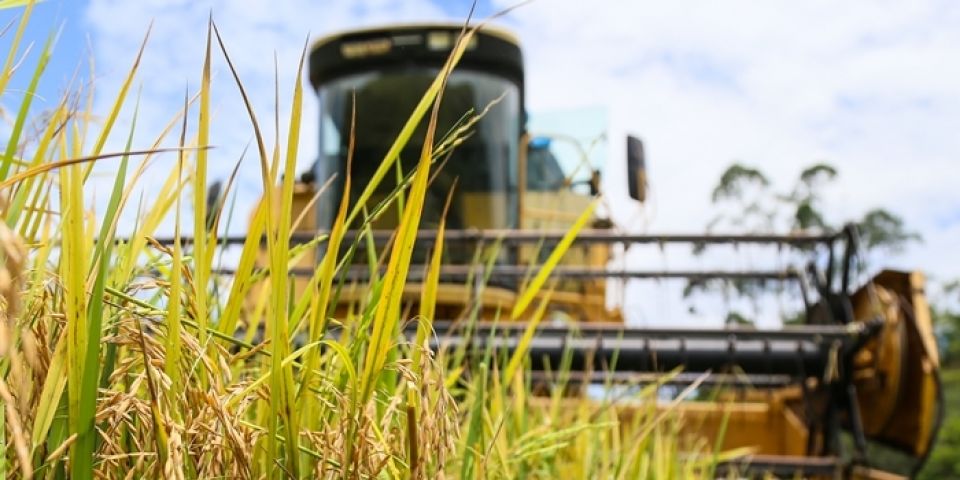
x=536, y=284
x=81, y=465
x=13, y=141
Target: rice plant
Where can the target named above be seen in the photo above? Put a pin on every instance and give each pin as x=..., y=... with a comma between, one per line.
x=119, y=360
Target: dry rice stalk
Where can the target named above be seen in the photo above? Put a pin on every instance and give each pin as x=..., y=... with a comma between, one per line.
x=12, y=259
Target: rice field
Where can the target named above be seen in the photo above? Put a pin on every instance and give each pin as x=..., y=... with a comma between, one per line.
x=120, y=358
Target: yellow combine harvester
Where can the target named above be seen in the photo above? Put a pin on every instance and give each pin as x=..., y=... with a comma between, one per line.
x=830, y=398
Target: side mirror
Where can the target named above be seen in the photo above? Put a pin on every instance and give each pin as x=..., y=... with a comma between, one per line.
x=636, y=169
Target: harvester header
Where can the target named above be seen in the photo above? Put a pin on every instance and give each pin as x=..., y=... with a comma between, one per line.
x=860, y=368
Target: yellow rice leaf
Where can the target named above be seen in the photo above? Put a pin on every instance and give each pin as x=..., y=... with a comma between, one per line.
x=537, y=283
x=387, y=314
x=516, y=360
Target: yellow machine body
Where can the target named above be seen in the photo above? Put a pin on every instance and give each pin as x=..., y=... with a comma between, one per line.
x=895, y=374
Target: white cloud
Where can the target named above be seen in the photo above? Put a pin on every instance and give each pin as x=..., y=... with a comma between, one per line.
x=253, y=32
x=871, y=86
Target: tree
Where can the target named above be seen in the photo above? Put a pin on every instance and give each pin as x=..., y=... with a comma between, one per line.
x=760, y=209
x=748, y=202
x=944, y=460
x=880, y=229
x=805, y=198
x=746, y=189
x=945, y=308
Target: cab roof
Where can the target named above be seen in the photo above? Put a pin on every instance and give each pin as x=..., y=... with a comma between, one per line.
x=492, y=50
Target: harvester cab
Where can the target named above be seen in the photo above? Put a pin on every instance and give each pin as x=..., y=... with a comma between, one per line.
x=501, y=181
x=857, y=379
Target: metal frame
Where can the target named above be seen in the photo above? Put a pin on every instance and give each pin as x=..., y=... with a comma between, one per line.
x=783, y=354
x=794, y=351
x=811, y=280
x=516, y=237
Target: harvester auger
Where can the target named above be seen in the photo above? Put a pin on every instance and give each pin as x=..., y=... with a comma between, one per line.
x=855, y=378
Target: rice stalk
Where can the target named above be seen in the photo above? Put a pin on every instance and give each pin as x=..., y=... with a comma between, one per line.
x=120, y=361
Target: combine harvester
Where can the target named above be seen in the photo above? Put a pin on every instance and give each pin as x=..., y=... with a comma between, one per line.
x=825, y=399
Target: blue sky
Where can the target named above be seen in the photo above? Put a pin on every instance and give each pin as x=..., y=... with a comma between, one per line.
x=71, y=44
x=872, y=86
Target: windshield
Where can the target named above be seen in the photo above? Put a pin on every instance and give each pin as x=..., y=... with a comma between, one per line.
x=483, y=166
